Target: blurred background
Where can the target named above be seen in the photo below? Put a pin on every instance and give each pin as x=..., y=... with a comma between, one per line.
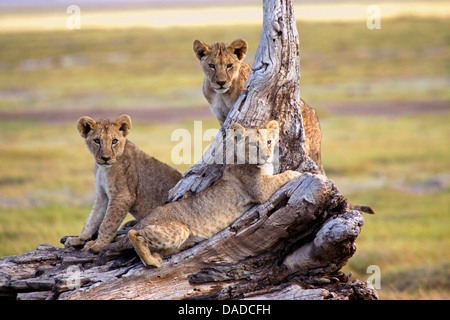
x=382, y=96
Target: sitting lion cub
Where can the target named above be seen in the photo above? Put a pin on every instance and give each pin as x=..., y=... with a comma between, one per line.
x=174, y=226
x=126, y=180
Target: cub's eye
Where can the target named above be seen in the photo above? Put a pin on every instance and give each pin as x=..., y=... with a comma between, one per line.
x=269, y=142
x=115, y=141
x=229, y=65
x=212, y=66
x=97, y=141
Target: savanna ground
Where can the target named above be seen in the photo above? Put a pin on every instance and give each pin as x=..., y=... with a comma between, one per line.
x=382, y=97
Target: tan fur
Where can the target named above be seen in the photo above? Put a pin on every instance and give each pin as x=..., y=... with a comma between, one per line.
x=225, y=74
x=126, y=180
x=220, y=55
x=174, y=226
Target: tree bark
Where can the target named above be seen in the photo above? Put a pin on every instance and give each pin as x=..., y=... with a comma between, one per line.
x=291, y=247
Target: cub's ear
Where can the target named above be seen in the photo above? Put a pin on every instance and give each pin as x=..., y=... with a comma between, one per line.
x=239, y=48
x=272, y=125
x=124, y=124
x=200, y=49
x=84, y=125
x=236, y=126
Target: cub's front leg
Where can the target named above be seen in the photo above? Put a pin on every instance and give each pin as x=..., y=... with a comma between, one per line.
x=118, y=207
x=92, y=223
x=270, y=184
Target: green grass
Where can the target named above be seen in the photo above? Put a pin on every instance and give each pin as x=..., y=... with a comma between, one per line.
x=408, y=239
x=396, y=148
x=404, y=60
x=379, y=161
x=22, y=229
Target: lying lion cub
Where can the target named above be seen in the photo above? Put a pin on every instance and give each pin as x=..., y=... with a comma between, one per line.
x=174, y=226
x=126, y=180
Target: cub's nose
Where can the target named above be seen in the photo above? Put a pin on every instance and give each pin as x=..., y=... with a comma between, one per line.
x=106, y=158
x=221, y=83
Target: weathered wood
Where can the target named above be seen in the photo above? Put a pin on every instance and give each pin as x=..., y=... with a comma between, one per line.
x=353, y=291
x=291, y=247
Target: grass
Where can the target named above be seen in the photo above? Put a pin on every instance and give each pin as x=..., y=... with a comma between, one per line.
x=389, y=163
x=150, y=68
x=408, y=237
x=414, y=147
x=22, y=228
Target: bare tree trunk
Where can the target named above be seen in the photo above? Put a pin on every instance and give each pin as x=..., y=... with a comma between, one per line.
x=291, y=247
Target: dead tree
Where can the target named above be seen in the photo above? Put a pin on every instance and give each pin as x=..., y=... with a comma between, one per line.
x=291, y=247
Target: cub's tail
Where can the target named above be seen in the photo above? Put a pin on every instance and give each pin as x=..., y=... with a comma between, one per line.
x=365, y=209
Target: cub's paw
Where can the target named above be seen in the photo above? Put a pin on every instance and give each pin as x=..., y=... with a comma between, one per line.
x=158, y=258
x=74, y=242
x=152, y=262
x=93, y=246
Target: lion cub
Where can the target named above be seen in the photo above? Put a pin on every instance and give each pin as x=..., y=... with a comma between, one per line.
x=126, y=180
x=225, y=76
x=174, y=226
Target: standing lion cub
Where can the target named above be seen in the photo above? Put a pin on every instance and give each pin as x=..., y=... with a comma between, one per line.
x=126, y=180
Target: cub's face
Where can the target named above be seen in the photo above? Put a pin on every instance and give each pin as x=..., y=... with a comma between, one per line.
x=256, y=145
x=220, y=62
x=105, y=139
